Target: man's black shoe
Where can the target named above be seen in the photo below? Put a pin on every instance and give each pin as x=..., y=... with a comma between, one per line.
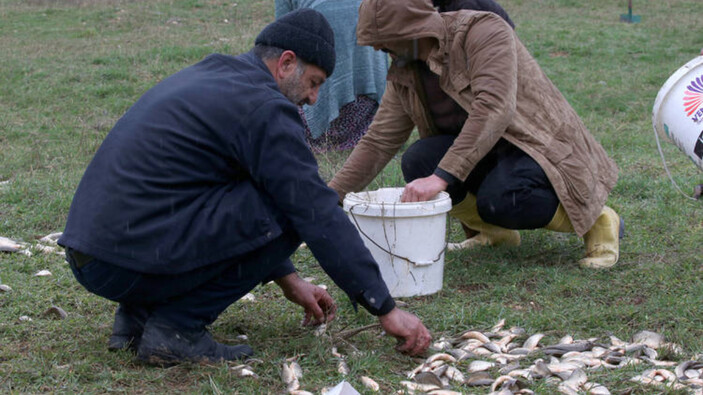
x=162, y=344
x=128, y=327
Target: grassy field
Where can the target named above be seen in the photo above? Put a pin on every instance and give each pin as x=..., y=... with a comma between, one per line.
x=70, y=68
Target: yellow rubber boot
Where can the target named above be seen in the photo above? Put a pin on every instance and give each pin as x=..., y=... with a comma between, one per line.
x=602, y=240
x=560, y=222
x=489, y=235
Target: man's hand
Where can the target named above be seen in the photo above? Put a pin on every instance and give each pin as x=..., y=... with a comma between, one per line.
x=423, y=189
x=315, y=300
x=406, y=327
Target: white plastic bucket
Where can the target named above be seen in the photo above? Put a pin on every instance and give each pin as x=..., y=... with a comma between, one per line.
x=678, y=110
x=406, y=239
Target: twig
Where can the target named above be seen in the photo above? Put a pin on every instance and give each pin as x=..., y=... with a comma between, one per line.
x=352, y=332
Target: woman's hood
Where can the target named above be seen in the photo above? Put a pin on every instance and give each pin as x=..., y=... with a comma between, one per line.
x=382, y=21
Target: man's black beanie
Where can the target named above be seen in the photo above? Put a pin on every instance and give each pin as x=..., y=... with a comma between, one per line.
x=305, y=32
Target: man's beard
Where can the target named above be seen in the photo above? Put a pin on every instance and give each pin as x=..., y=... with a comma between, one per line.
x=292, y=88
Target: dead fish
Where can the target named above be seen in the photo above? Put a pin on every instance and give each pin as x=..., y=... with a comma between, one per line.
x=509, y=368
x=440, y=357
x=51, y=238
x=584, y=360
x=475, y=335
x=9, y=245
x=5, y=288
x=616, y=342
x=504, y=359
x=540, y=369
x=444, y=392
x=561, y=349
x=576, y=379
x=504, y=341
x=524, y=373
x=248, y=298
x=595, y=389
x=342, y=367
x=428, y=378
x=517, y=331
x=297, y=370
x=470, y=345
x=651, y=339
x=507, y=383
x=650, y=352
x=309, y=279
x=25, y=318
x=479, y=366
x=479, y=379
x=682, y=368
x=568, y=339
x=564, y=389
x=532, y=341
x=439, y=370
x=42, y=273
x=657, y=363
x=56, y=312
x=480, y=351
x=519, y=351
x=320, y=330
x=698, y=382
x=492, y=347
x=460, y=354
x=336, y=354
x=412, y=386
x=244, y=371
x=498, y=326
x=293, y=386
x=454, y=374
x=287, y=374
x=441, y=345
x=563, y=367
x=323, y=286
x=300, y=392
x=370, y=383
x=599, y=352
x=417, y=370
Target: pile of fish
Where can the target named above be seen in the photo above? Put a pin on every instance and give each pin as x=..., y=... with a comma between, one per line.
x=508, y=361
x=503, y=362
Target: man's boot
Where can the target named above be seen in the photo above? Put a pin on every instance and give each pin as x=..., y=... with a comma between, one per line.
x=128, y=327
x=489, y=235
x=602, y=240
x=163, y=344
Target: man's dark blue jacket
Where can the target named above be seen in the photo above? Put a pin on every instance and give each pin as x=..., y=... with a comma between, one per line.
x=209, y=164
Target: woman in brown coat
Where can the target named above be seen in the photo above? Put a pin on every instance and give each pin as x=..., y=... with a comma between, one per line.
x=497, y=134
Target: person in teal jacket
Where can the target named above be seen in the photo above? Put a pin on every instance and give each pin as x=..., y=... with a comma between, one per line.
x=348, y=100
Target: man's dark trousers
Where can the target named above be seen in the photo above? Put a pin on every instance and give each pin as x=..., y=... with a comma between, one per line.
x=187, y=300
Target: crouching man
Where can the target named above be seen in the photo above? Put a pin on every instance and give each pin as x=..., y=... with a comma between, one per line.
x=205, y=188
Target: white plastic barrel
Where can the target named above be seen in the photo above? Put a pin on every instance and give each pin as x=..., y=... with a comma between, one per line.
x=678, y=110
x=407, y=240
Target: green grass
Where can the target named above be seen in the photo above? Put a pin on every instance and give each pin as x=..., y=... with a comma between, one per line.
x=70, y=68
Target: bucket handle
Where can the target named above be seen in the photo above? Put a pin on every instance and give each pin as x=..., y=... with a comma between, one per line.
x=416, y=263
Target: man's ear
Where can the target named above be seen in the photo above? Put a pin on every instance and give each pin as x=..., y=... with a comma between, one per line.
x=287, y=63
